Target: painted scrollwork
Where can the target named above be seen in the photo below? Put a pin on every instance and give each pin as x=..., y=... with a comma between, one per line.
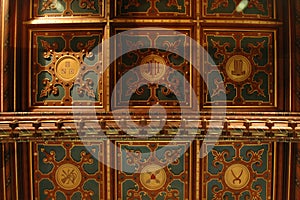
x=68, y=167
x=257, y=4
x=225, y=3
x=87, y=88
x=241, y=167
x=66, y=67
x=256, y=87
x=49, y=48
x=153, y=174
x=246, y=65
x=130, y=3
x=217, y=3
x=87, y=4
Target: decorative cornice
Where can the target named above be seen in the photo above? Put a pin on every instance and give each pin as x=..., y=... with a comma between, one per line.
x=45, y=126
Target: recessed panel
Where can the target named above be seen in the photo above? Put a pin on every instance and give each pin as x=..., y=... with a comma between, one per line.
x=238, y=171
x=247, y=67
x=238, y=9
x=154, y=8
x=154, y=68
x=68, y=170
x=66, y=8
x=153, y=170
x=66, y=68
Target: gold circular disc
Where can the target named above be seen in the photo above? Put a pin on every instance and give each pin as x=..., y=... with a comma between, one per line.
x=153, y=67
x=68, y=176
x=238, y=68
x=67, y=68
x=153, y=177
x=237, y=176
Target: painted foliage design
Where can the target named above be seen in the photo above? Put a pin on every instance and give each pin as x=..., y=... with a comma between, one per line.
x=153, y=75
x=68, y=171
x=67, y=7
x=227, y=8
x=153, y=170
x=238, y=171
x=65, y=68
x=246, y=63
x=154, y=8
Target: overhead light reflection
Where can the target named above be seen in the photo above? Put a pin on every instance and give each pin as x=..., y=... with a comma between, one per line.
x=242, y=5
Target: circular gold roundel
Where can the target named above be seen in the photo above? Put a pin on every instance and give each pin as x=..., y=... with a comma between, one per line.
x=153, y=177
x=237, y=176
x=68, y=176
x=238, y=68
x=153, y=67
x=67, y=68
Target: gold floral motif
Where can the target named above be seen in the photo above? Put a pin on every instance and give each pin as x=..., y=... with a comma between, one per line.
x=49, y=5
x=48, y=89
x=87, y=88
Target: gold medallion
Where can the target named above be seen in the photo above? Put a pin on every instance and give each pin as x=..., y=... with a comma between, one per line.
x=238, y=68
x=237, y=176
x=153, y=67
x=153, y=177
x=68, y=176
x=67, y=68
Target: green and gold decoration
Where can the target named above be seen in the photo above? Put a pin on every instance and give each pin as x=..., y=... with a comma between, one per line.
x=156, y=74
x=154, y=8
x=247, y=66
x=65, y=68
x=238, y=171
x=68, y=171
x=44, y=8
x=262, y=9
x=153, y=170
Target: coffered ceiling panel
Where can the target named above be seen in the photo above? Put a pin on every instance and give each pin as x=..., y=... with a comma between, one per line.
x=68, y=171
x=154, y=8
x=66, y=8
x=65, y=68
x=154, y=69
x=256, y=9
x=153, y=170
x=238, y=171
x=247, y=63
